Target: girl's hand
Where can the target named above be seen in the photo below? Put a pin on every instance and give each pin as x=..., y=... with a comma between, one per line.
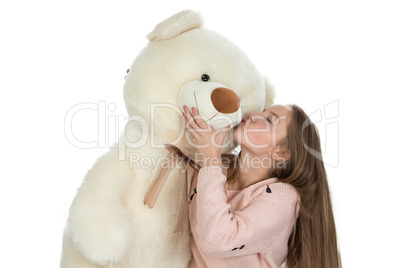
x=207, y=141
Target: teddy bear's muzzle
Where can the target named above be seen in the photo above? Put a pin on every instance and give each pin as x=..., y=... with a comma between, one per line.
x=216, y=103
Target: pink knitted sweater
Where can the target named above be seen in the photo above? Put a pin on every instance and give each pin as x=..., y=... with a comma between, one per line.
x=248, y=228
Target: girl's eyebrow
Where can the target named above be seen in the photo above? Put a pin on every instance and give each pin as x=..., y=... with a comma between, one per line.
x=274, y=114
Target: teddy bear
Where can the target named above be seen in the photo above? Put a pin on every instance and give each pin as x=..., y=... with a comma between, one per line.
x=122, y=216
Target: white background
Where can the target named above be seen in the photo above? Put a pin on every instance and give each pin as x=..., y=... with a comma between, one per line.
x=57, y=54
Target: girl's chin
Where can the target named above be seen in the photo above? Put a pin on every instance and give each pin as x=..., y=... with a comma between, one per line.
x=237, y=134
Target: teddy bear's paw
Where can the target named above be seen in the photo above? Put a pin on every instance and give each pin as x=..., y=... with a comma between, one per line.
x=101, y=240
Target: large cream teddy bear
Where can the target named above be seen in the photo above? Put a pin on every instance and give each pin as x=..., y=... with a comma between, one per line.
x=116, y=219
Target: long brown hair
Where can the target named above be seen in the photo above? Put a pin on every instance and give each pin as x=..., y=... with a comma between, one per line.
x=313, y=243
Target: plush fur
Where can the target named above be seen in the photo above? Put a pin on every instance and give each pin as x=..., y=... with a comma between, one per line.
x=109, y=225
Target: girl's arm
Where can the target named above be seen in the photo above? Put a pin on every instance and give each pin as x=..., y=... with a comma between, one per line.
x=224, y=233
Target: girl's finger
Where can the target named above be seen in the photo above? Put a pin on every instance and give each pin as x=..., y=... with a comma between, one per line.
x=190, y=124
x=198, y=119
x=221, y=133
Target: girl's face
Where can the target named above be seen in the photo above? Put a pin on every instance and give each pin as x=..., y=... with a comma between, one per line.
x=261, y=132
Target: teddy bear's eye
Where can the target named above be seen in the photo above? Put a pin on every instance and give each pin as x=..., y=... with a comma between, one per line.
x=205, y=77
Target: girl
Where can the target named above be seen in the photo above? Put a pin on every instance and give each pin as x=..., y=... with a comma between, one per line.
x=271, y=203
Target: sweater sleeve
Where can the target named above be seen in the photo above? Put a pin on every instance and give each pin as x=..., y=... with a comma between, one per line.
x=222, y=232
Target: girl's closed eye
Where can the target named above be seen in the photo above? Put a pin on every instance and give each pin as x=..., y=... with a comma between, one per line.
x=269, y=120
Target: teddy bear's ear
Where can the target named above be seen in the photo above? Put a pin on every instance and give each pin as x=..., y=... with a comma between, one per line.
x=269, y=94
x=181, y=22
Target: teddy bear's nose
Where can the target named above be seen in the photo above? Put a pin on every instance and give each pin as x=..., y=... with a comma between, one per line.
x=225, y=100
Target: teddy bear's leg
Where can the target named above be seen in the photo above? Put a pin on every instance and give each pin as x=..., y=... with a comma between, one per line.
x=99, y=226
x=71, y=258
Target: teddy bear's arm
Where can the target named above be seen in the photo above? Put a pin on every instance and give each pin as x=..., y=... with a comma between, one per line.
x=98, y=224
